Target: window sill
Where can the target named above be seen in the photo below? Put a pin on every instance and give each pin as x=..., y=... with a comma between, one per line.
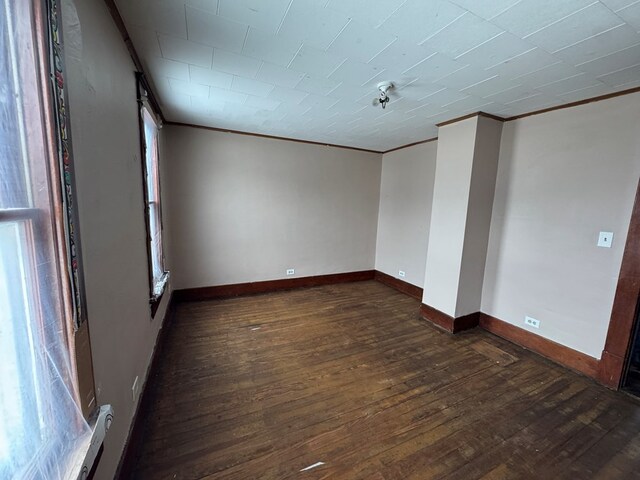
x=156, y=298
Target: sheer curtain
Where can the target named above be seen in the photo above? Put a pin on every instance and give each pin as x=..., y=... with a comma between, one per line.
x=41, y=425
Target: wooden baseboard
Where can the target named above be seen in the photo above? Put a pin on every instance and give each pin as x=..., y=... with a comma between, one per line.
x=132, y=447
x=565, y=356
x=447, y=322
x=400, y=285
x=238, y=289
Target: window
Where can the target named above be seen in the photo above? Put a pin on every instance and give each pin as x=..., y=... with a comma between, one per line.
x=41, y=425
x=149, y=127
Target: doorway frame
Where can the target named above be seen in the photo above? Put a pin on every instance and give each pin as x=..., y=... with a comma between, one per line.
x=613, y=361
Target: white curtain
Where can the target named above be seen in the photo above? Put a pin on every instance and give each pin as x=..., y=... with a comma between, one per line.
x=41, y=426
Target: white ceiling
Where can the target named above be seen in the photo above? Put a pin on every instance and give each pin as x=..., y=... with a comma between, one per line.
x=308, y=69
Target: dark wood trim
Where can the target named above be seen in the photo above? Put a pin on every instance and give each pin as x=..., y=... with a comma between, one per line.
x=411, y=145
x=271, y=137
x=625, y=305
x=400, y=285
x=132, y=447
x=252, y=288
x=117, y=19
x=447, y=322
x=470, y=115
x=575, y=104
x=561, y=354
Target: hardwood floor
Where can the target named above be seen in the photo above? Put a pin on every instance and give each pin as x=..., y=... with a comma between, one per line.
x=261, y=387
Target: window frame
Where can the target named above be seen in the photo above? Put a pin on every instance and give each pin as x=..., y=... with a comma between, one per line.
x=159, y=287
x=46, y=219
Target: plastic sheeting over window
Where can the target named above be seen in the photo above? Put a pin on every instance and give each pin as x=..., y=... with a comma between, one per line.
x=158, y=277
x=41, y=425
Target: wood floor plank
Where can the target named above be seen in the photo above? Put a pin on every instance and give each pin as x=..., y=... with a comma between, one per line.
x=264, y=386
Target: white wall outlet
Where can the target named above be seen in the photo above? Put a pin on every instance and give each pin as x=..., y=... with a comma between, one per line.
x=532, y=322
x=605, y=239
x=401, y=273
x=134, y=389
x=291, y=271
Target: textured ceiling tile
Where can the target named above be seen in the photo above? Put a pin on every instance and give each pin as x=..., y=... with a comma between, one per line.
x=164, y=16
x=317, y=62
x=287, y=95
x=554, y=72
x=286, y=87
x=444, y=97
x=470, y=105
x=490, y=86
x=529, y=16
x=622, y=77
x=514, y=93
x=583, y=93
x=356, y=73
x=369, y=12
x=401, y=56
x=321, y=101
x=185, y=51
x=207, y=5
x=570, y=84
x=262, y=103
x=465, y=77
x=533, y=103
x=618, y=4
x=613, y=62
x=312, y=25
x=207, y=76
x=495, y=51
x=145, y=41
x=360, y=42
x=210, y=29
x=270, y=48
x=251, y=86
x=486, y=9
x=631, y=15
x=161, y=67
x=583, y=24
x=462, y=35
x=236, y=64
x=600, y=45
x=188, y=88
x=434, y=67
x=316, y=84
x=266, y=16
x=416, y=20
x=522, y=64
x=353, y=92
x=278, y=75
x=227, y=96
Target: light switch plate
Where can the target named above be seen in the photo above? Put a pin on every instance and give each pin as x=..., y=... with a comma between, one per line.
x=605, y=239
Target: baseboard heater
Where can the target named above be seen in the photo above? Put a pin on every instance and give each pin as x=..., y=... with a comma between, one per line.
x=99, y=422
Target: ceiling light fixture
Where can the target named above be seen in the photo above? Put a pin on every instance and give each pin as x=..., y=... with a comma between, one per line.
x=383, y=98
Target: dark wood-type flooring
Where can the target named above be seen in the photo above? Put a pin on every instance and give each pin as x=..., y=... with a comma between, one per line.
x=261, y=387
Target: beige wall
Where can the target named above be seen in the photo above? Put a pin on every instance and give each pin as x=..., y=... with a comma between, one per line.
x=244, y=208
x=563, y=177
x=406, y=192
x=456, y=144
x=476, y=236
x=101, y=86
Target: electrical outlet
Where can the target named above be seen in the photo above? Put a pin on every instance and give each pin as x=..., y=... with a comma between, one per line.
x=605, y=239
x=401, y=273
x=532, y=322
x=134, y=390
x=291, y=271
